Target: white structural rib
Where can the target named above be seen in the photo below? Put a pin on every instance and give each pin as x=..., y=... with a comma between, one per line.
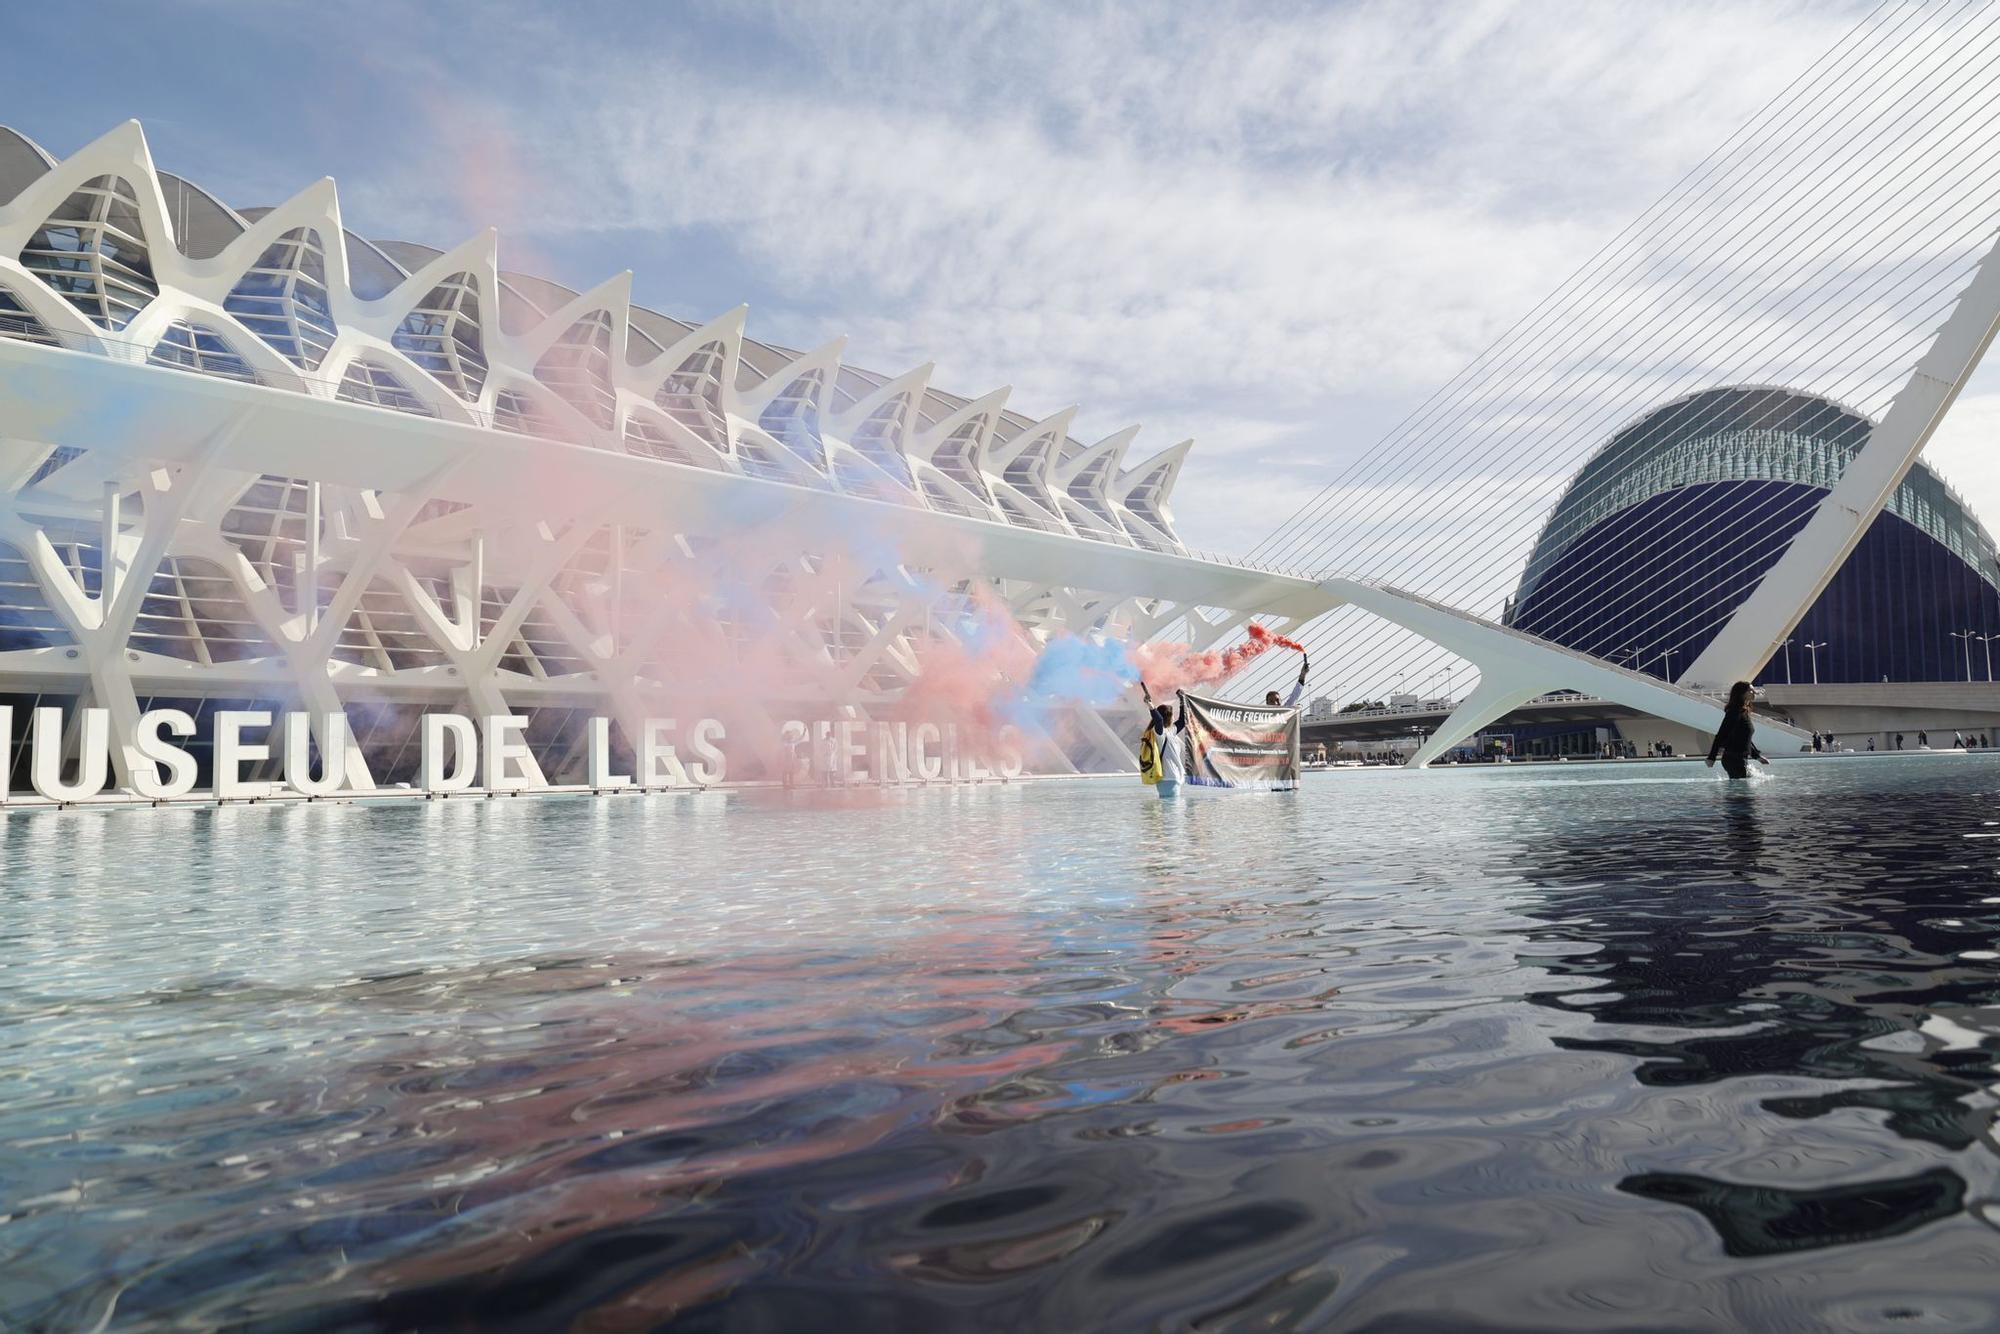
x=1142, y=490
x=1515, y=668
x=1791, y=586
x=89, y=402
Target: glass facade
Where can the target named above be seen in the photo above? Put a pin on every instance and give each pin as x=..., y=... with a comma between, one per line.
x=957, y=458
x=282, y=299
x=365, y=382
x=442, y=336
x=792, y=418
x=93, y=251
x=652, y=441
x=26, y=619
x=193, y=347
x=880, y=439
x=17, y=321
x=578, y=368
x=193, y=612
x=692, y=395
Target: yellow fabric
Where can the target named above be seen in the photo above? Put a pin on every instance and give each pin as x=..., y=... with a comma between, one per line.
x=1149, y=758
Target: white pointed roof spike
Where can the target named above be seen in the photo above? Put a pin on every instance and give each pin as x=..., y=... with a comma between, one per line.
x=824, y=357
x=121, y=152
x=1052, y=428
x=1135, y=477
x=1154, y=480
x=478, y=254
x=316, y=207
x=726, y=329
x=925, y=444
x=912, y=382
x=613, y=296
x=1114, y=445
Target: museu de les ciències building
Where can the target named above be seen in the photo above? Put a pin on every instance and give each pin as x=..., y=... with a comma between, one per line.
x=251, y=460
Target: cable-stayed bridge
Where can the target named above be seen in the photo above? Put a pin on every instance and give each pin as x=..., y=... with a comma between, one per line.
x=1838, y=250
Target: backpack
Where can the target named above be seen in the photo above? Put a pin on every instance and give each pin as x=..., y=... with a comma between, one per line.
x=1150, y=770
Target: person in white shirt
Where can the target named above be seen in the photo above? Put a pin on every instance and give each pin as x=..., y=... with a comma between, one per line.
x=1291, y=701
x=1173, y=749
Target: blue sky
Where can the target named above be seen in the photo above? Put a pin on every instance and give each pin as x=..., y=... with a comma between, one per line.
x=1272, y=227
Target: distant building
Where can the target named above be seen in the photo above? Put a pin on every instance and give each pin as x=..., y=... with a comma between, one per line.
x=1667, y=528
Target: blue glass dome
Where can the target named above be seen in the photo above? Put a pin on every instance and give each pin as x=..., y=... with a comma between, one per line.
x=1668, y=527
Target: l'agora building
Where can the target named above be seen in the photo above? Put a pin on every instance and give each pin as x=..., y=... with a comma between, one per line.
x=250, y=460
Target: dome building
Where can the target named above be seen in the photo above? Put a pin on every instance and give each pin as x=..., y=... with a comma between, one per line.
x=1671, y=523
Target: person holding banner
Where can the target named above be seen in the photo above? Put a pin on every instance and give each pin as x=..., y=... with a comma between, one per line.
x=1243, y=746
x=1291, y=701
x=1170, y=751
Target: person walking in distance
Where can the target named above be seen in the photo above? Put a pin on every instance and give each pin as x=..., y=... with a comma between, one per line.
x=1733, y=740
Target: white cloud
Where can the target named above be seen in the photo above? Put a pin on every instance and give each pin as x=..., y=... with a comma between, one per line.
x=1965, y=450
x=1271, y=228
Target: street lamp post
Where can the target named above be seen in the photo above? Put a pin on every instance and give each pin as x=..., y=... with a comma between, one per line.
x=1667, y=665
x=1966, y=637
x=1987, y=640
x=1788, y=662
x=1812, y=652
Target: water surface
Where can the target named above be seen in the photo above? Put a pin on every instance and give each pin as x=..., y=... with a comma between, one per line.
x=1588, y=1047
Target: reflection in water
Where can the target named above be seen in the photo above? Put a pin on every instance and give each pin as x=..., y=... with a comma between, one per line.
x=1803, y=939
x=1590, y=1048
x=1760, y=1220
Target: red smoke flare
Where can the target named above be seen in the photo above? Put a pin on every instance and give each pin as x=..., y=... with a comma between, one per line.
x=1258, y=634
x=1170, y=667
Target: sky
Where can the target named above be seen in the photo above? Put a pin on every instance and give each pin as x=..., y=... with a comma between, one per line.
x=1274, y=227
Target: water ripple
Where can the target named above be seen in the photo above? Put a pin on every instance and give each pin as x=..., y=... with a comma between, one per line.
x=1519, y=1049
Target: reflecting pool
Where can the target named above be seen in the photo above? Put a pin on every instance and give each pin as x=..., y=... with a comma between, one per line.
x=1588, y=1047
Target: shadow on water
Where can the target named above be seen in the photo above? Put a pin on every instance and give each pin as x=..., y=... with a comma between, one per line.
x=1819, y=941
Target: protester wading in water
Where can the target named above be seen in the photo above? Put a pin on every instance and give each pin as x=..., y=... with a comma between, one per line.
x=1271, y=699
x=1733, y=739
x=1162, y=754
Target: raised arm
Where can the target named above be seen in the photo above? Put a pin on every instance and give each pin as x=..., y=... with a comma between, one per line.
x=1305, y=665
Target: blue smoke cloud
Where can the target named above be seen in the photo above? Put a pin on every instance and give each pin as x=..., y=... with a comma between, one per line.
x=1072, y=671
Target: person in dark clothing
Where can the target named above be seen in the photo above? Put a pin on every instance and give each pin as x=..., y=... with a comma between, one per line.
x=1733, y=739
